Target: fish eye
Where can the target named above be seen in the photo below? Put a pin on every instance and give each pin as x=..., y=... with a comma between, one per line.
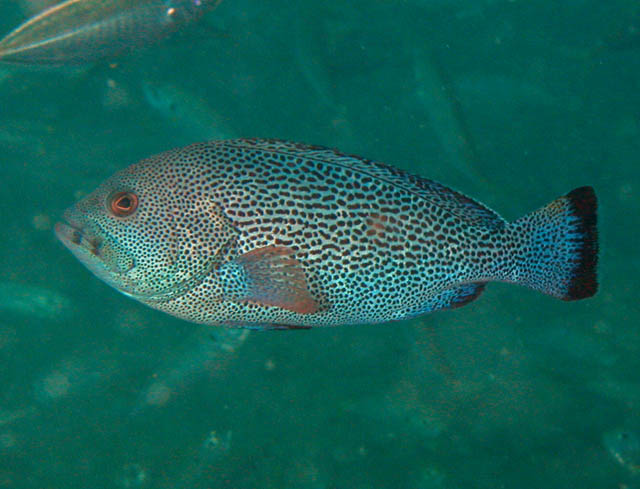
x=123, y=204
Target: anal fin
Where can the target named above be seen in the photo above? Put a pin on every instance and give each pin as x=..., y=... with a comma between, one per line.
x=452, y=298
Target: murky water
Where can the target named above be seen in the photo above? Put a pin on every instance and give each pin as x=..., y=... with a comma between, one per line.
x=512, y=102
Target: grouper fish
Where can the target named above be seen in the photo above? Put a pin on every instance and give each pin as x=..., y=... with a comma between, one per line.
x=268, y=234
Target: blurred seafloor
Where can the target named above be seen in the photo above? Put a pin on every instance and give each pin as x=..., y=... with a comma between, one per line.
x=513, y=102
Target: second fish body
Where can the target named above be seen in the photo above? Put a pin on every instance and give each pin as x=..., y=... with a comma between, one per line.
x=80, y=31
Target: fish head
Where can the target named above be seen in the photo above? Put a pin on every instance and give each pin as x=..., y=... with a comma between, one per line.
x=148, y=231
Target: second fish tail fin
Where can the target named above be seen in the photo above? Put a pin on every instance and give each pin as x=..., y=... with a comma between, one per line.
x=556, y=247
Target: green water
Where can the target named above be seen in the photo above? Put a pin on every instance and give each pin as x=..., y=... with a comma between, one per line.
x=513, y=102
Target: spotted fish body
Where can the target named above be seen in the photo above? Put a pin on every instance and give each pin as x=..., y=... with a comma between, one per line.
x=270, y=234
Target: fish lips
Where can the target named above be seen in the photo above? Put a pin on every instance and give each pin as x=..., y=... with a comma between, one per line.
x=92, y=246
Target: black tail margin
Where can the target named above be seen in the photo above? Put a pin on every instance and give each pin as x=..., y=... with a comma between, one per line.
x=584, y=206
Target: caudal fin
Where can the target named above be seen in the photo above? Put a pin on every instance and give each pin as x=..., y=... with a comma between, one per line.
x=556, y=247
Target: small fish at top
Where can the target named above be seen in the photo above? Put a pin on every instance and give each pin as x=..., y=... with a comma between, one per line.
x=81, y=31
x=267, y=234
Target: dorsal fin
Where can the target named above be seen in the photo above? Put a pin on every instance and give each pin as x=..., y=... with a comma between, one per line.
x=450, y=200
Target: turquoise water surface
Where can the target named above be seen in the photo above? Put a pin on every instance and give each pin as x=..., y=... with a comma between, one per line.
x=512, y=102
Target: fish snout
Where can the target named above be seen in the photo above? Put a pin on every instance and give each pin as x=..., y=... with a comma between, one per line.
x=73, y=235
x=92, y=246
x=72, y=232
x=68, y=234
x=69, y=230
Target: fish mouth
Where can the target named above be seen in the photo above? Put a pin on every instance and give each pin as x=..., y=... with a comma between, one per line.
x=73, y=235
x=93, y=246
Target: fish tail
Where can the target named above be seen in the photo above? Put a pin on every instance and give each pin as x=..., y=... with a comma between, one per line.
x=556, y=247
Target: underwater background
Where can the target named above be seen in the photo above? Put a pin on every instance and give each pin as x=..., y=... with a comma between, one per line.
x=512, y=102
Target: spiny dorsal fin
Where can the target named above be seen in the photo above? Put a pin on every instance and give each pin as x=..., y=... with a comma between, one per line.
x=450, y=200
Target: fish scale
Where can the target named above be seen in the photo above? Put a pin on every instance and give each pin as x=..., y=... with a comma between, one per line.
x=357, y=276
x=271, y=234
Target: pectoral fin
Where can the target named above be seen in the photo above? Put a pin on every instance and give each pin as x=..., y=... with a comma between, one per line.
x=268, y=276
